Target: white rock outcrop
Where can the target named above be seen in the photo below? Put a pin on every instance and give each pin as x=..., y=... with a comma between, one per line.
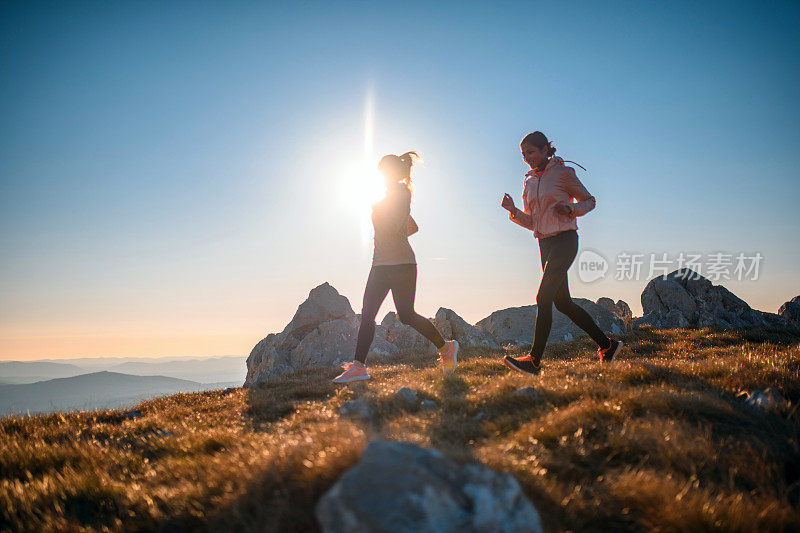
x=452, y=326
x=321, y=333
x=515, y=325
x=684, y=298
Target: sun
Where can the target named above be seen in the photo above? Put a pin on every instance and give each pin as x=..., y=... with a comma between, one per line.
x=360, y=187
x=361, y=184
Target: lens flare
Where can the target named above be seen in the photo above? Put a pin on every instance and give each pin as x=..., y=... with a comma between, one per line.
x=361, y=184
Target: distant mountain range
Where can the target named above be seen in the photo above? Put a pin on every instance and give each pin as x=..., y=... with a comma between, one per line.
x=202, y=370
x=106, y=382
x=97, y=390
x=32, y=371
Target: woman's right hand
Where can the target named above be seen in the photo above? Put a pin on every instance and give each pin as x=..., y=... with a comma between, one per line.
x=508, y=203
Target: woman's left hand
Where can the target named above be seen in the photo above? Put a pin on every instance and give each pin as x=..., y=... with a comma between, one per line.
x=563, y=209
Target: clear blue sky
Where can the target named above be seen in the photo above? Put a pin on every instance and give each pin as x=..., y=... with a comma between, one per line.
x=171, y=175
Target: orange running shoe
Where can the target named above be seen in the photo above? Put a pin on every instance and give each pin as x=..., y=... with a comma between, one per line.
x=524, y=364
x=354, y=371
x=448, y=357
x=608, y=355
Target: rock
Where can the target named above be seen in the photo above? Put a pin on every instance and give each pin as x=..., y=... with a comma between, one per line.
x=625, y=313
x=527, y=392
x=408, y=397
x=686, y=299
x=405, y=337
x=321, y=333
x=133, y=413
x=358, y=408
x=483, y=415
x=452, y=326
x=790, y=311
x=620, y=310
x=323, y=304
x=767, y=400
x=429, y=405
x=336, y=340
x=664, y=295
x=427, y=493
x=515, y=324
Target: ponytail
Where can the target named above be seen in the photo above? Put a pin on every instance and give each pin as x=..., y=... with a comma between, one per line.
x=400, y=166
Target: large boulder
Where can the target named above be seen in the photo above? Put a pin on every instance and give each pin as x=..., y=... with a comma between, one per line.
x=324, y=303
x=791, y=312
x=684, y=298
x=399, y=486
x=515, y=325
x=321, y=333
x=452, y=326
x=334, y=342
x=620, y=309
x=405, y=337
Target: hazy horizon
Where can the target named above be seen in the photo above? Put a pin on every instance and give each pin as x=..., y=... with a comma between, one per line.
x=174, y=181
x=80, y=358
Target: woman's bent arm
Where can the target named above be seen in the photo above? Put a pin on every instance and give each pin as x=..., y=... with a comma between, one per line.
x=586, y=201
x=523, y=219
x=412, y=226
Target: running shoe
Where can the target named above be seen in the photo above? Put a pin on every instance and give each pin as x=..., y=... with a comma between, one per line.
x=523, y=364
x=608, y=355
x=448, y=358
x=354, y=371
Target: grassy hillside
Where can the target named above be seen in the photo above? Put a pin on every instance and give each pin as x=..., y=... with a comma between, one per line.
x=656, y=441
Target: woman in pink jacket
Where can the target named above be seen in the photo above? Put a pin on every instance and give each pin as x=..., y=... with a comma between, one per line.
x=550, y=211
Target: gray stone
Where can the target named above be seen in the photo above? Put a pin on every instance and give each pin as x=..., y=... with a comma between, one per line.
x=358, y=408
x=527, y=392
x=686, y=299
x=452, y=326
x=429, y=405
x=334, y=340
x=405, y=337
x=767, y=400
x=408, y=397
x=404, y=488
x=663, y=295
x=620, y=309
x=790, y=311
x=515, y=325
x=133, y=413
x=324, y=303
x=322, y=333
x=625, y=313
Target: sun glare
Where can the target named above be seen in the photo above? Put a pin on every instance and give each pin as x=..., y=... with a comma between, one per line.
x=361, y=184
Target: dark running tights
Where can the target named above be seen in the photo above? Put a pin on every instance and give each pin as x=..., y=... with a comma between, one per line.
x=558, y=252
x=402, y=281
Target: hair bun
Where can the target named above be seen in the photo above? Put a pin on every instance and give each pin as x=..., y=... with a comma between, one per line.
x=408, y=158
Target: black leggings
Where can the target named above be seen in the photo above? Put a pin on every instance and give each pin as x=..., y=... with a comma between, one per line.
x=402, y=281
x=558, y=252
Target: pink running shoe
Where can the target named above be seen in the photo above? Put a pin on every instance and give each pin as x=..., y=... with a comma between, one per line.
x=448, y=357
x=354, y=371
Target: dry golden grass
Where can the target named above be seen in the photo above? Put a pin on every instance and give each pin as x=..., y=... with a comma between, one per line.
x=656, y=441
